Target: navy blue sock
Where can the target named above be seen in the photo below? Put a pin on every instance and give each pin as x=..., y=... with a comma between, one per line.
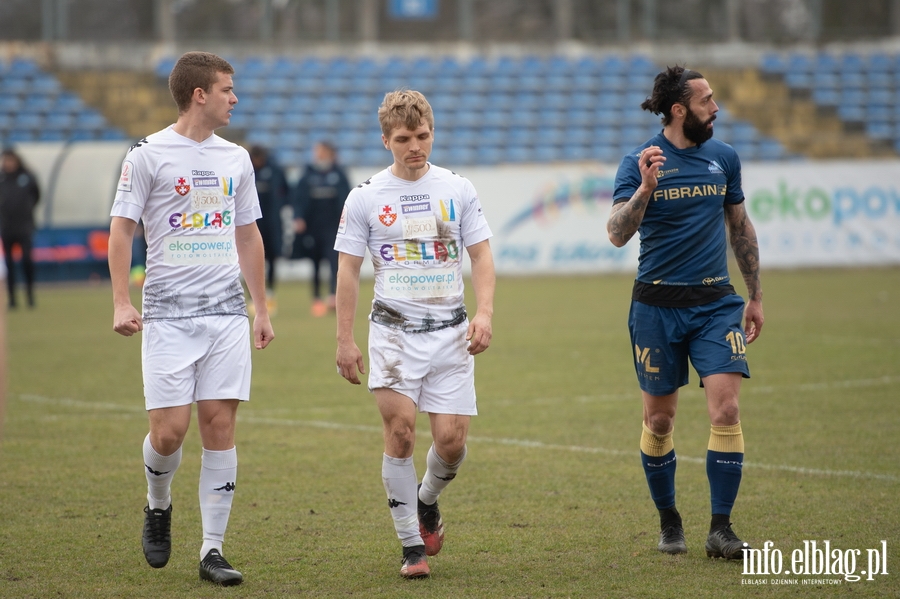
x=660, y=472
x=724, y=473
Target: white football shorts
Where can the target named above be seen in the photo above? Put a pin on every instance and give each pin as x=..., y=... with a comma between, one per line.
x=190, y=359
x=433, y=369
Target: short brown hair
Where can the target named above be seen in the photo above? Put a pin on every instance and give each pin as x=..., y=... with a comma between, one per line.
x=193, y=70
x=404, y=107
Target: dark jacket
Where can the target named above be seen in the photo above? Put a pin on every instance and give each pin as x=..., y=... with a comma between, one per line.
x=319, y=200
x=19, y=194
x=272, y=189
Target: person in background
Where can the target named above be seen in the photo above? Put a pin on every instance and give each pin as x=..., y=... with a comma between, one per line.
x=19, y=194
x=681, y=190
x=318, y=202
x=272, y=189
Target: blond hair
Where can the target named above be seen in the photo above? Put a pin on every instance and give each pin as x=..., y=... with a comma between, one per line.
x=404, y=107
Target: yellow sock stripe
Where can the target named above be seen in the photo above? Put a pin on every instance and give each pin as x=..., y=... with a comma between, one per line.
x=726, y=439
x=656, y=445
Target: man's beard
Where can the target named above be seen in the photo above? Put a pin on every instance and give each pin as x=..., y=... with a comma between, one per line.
x=696, y=130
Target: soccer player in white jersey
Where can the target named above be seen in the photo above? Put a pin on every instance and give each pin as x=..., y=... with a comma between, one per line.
x=196, y=195
x=416, y=219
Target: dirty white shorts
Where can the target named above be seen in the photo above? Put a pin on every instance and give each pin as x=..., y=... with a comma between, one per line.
x=434, y=369
x=190, y=359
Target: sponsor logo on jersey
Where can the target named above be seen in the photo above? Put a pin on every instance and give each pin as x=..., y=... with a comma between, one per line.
x=661, y=173
x=125, y=177
x=195, y=250
x=227, y=187
x=415, y=208
x=181, y=186
x=678, y=193
x=200, y=220
x=448, y=211
x=415, y=250
x=205, y=182
x=387, y=217
x=414, y=228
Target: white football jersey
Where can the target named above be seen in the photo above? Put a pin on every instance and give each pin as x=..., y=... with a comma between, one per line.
x=416, y=232
x=190, y=196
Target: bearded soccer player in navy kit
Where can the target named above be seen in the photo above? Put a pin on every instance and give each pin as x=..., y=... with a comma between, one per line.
x=681, y=190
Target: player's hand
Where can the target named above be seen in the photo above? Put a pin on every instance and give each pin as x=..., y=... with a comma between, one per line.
x=127, y=321
x=349, y=362
x=263, y=333
x=753, y=320
x=650, y=161
x=479, y=334
x=299, y=225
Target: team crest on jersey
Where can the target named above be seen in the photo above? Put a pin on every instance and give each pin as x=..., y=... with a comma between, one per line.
x=448, y=211
x=181, y=186
x=715, y=168
x=387, y=217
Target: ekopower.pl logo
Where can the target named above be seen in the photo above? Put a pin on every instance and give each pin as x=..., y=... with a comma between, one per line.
x=818, y=559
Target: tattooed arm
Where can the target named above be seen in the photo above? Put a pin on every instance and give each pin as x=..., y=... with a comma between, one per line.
x=746, y=251
x=626, y=217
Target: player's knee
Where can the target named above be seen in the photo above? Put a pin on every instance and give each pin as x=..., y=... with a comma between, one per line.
x=401, y=439
x=726, y=414
x=660, y=423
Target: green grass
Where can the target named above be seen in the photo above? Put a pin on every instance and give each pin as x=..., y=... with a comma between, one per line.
x=551, y=501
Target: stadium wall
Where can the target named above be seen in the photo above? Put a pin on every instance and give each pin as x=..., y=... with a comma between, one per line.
x=546, y=219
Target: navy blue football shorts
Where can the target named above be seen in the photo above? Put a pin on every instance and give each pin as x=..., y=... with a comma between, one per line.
x=711, y=336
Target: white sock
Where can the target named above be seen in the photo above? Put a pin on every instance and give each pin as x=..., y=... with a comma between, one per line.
x=438, y=475
x=399, y=477
x=160, y=470
x=218, y=472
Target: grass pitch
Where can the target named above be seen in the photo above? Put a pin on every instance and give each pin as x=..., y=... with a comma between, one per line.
x=551, y=502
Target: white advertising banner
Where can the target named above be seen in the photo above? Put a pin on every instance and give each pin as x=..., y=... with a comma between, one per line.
x=825, y=213
x=552, y=219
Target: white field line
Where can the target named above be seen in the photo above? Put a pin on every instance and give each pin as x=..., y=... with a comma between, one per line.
x=525, y=443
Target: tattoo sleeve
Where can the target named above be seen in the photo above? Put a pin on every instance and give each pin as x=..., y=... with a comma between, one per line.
x=625, y=219
x=745, y=247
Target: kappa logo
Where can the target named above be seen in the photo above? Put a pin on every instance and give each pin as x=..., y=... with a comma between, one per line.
x=227, y=487
x=387, y=217
x=182, y=187
x=392, y=503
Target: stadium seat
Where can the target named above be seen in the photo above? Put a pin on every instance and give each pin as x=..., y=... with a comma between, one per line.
x=772, y=64
x=880, y=130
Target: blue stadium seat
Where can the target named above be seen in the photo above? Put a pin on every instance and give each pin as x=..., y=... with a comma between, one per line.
x=773, y=64
x=639, y=64
x=547, y=153
x=852, y=113
x=880, y=62
x=52, y=135
x=880, y=130
x=519, y=154
x=489, y=155
x=29, y=121
x=164, y=67
x=15, y=136
x=59, y=121
x=825, y=62
x=770, y=149
x=852, y=62
x=10, y=103
x=575, y=152
x=68, y=102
